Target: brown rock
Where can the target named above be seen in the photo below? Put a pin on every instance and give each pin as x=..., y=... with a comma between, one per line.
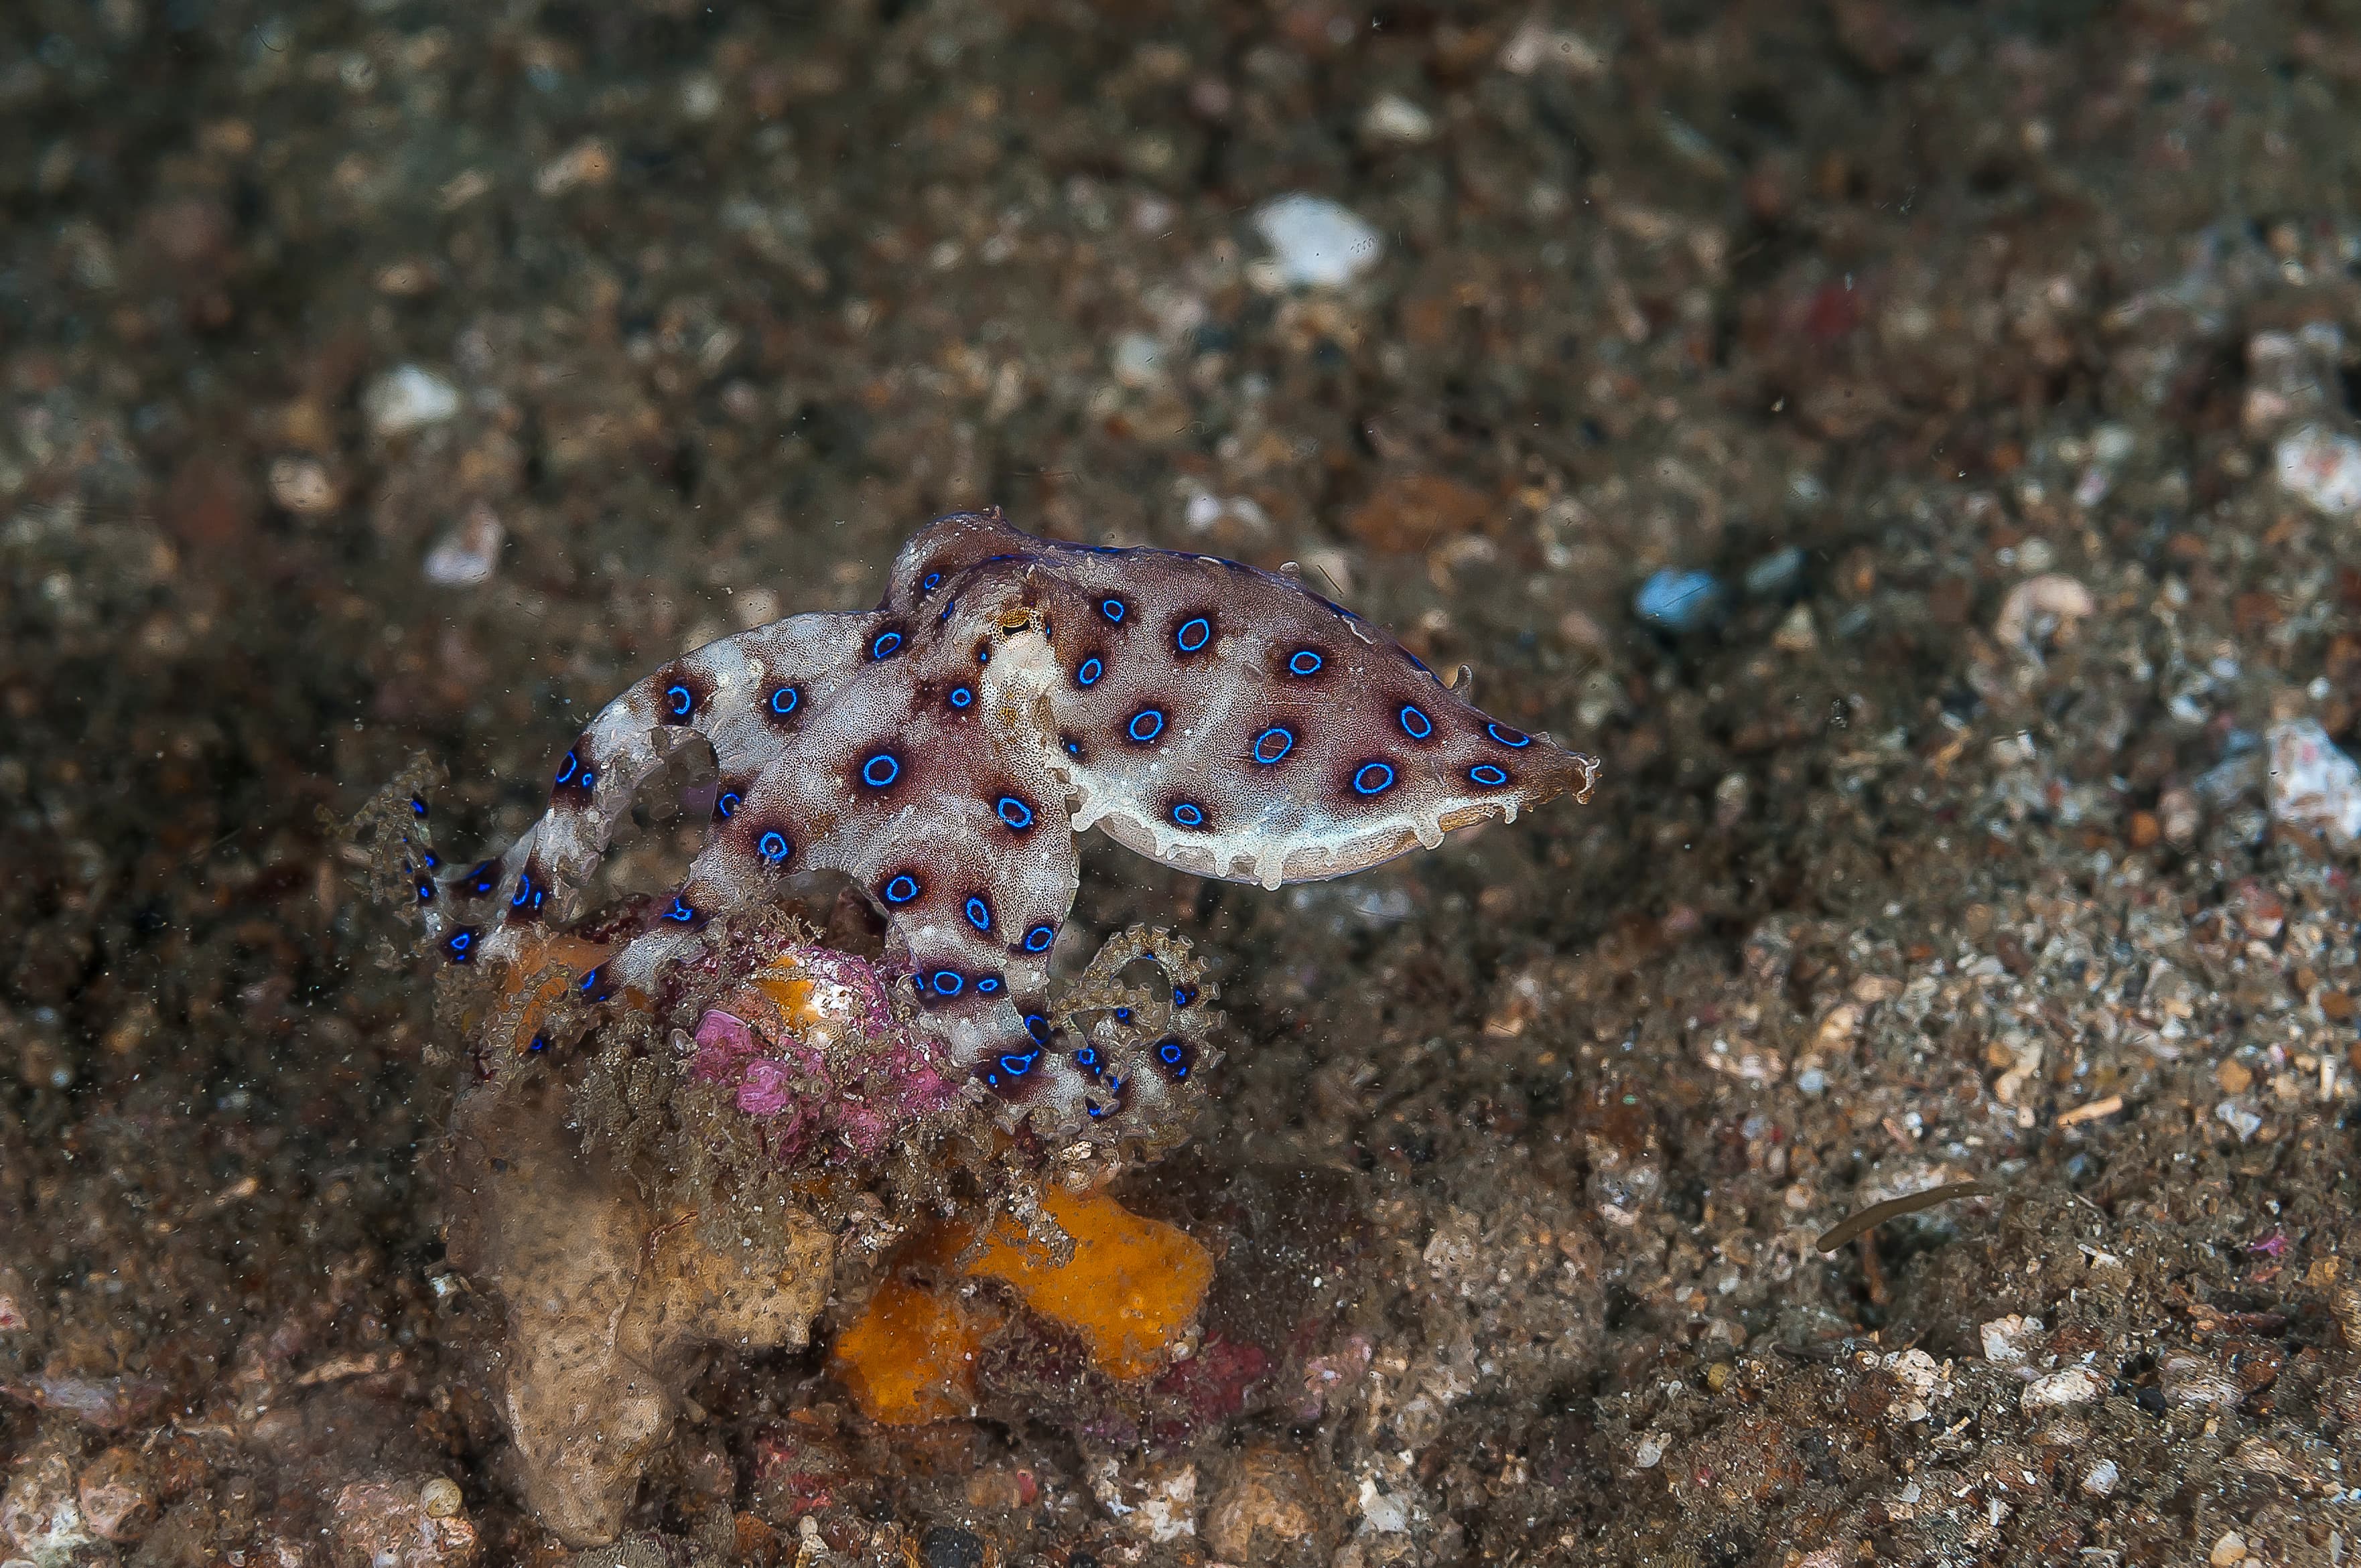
x=1272, y=1508
x=117, y=1495
x=1417, y=511
x=387, y=1524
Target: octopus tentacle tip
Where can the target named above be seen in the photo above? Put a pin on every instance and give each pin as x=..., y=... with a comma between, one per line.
x=943, y=750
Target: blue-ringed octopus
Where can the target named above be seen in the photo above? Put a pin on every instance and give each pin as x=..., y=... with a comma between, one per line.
x=943, y=749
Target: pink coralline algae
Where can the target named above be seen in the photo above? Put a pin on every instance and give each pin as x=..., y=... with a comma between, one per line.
x=943, y=749
x=810, y=1046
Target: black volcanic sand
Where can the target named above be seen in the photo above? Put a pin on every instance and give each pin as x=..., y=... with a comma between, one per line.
x=1902, y=872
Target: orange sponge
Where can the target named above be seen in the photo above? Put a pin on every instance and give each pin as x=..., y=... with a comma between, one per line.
x=1131, y=1288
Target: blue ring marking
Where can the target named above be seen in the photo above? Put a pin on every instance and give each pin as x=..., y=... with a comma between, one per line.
x=1153, y=718
x=947, y=608
x=1018, y=1066
x=1516, y=741
x=979, y=914
x=1037, y=1027
x=1414, y=721
x=1087, y=1058
x=679, y=700
x=1088, y=673
x=1113, y=608
x=984, y=653
x=1188, y=814
x=680, y=911
x=1364, y=784
x=901, y=889
x=1073, y=747
x=524, y=890
x=1304, y=662
x=949, y=983
x=425, y=893
x=460, y=945
x=881, y=770
x=1193, y=634
x=590, y=984
x=933, y=581
x=1122, y=1015
x=1038, y=939
x=566, y=771
x=960, y=696
x=588, y=778
x=727, y=804
x=417, y=806
x=1182, y=995
x=1013, y=812
x=428, y=857
x=885, y=645
x=482, y=879
x=1272, y=745
x=987, y=986
x=773, y=847
x=784, y=701
x=539, y=1042
x=1488, y=775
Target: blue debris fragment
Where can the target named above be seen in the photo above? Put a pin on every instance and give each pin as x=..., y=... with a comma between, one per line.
x=1678, y=602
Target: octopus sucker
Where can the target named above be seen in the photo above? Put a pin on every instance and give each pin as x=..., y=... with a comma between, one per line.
x=943, y=750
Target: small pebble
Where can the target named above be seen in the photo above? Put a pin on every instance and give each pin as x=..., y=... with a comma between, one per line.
x=1316, y=243
x=1774, y=573
x=1395, y=120
x=948, y=1546
x=1138, y=359
x=1678, y=601
x=2312, y=783
x=2320, y=469
x=467, y=555
x=2072, y=1386
x=406, y=399
x=303, y=486
x=2100, y=1478
x=440, y=1497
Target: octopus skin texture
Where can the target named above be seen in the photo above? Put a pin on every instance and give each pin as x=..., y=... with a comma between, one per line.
x=943, y=749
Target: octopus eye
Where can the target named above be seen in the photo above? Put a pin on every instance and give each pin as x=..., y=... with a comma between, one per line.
x=1415, y=723
x=1515, y=739
x=1273, y=743
x=1373, y=778
x=1488, y=775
